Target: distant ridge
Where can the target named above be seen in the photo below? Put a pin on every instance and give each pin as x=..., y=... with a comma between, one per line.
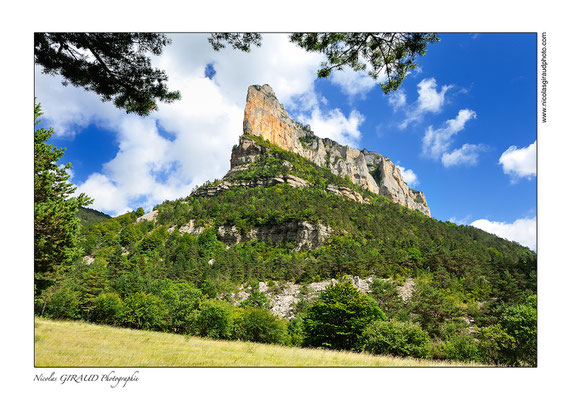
x=89, y=216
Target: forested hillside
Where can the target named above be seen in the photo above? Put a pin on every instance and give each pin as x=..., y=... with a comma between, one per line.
x=89, y=216
x=177, y=270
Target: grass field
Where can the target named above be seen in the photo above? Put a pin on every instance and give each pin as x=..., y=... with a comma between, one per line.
x=78, y=344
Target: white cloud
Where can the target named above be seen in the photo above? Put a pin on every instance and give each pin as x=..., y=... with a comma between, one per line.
x=202, y=127
x=287, y=68
x=353, y=82
x=69, y=109
x=334, y=125
x=397, y=100
x=408, y=175
x=460, y=221
x=430, y=99
x=519, y=163
x=521, y=230
x=436, y=142
x=465, y=155
x=107, y=197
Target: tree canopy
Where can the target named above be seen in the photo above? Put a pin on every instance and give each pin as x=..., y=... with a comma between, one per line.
x=339, y=317
x=116, y=66
x=389, y=55
x=56, y=226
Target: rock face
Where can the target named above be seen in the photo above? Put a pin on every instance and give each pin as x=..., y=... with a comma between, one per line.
x=265, y=117
x=248, y=152
x=306, y=236
x=283, y=298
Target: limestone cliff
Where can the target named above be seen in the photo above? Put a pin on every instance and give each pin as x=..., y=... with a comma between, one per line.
x=265, y=117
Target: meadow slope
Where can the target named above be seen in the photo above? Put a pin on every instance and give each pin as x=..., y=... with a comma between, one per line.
x=79, y=344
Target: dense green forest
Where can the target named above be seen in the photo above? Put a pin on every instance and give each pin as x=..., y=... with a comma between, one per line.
x=89, y=216
x=473, y=298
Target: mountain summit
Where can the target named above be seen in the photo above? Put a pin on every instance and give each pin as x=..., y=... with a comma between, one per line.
x=266, y=118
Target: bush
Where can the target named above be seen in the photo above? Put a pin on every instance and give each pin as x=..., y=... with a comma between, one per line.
x=339, y=317
x=181, y=300
x=295, y=331
x=214, y=319
x=495, y=344
x=520, y=322
x=145, y=311
x=259, y=325
x=403, y=339
x=64, y=303
x=108, y=309
x=459, y=347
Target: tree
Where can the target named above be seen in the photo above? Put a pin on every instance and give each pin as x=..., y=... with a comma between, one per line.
x=403, y=339
x=520, y=322
x=113, y=65
x=391, y=55
x=339, y=317
x=259, y=325
x=56, y=226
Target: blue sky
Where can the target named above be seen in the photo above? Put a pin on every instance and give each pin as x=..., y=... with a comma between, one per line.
x=462, y=127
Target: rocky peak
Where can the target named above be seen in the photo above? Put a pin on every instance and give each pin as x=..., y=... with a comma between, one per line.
x=265, y=117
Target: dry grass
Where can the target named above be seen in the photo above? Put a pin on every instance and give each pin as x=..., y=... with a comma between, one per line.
x=78, y=344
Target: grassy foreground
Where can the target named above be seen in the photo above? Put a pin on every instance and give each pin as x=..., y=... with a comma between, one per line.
x=79, y=344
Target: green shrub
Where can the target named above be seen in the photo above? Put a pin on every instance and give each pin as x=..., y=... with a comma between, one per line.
x=460, y=347
x=403, y=339
x=259, y=325
x=495, y=344
x=214, y=319
x=64, y=303
x=181, y=300
x=145, y=311
x=520, y=322
x=108, y=309
x=295, y=331
x=339, y=317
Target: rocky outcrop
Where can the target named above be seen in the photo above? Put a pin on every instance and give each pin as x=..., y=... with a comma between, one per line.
x=191, y=228
x=265, y=117
x=151, y=216
x=291, y=180
x=391, y=183
x=284, y=296
x=306, y=235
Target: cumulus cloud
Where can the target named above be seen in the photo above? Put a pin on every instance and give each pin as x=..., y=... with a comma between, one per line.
x=436, y=142
x=430, y=99
x=287, y=68
x=397, y=100
x=465, y=155
x=519, y=163
x=408, y=175
x=334, y=125
x=189, y=141
x=70, y=109
x=521, y=230
x=353, y=82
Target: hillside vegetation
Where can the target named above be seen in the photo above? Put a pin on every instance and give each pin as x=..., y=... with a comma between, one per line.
x=89, y=216
x=473, y=299
x=77, y=344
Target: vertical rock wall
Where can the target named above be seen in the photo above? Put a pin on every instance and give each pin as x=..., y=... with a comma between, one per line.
x=265, y=117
